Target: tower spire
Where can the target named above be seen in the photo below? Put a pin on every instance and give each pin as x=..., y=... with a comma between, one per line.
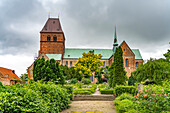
x=115, y=44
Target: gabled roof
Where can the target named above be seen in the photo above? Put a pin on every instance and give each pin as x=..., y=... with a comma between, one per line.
x=54, y=56
x=52, y=25
x=11, y=75
x=137, y=54
x=75, y=53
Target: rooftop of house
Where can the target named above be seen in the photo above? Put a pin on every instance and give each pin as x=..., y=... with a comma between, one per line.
x=10, y=74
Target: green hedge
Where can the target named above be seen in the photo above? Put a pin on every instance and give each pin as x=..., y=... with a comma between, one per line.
x=84, y=91
x=106, y=91
x=69, y=89
x=125, y=89
x=34, y=97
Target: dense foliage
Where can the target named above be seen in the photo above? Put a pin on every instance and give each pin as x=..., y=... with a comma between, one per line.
x=89, y=63
x=117, y=72
x=153, y=70
x=48, y=70
x=131, y=80
x=70, y=73
x=34, y=97
x=86, y=81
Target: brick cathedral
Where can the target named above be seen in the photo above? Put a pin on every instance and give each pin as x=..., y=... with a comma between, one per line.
x=52, y=45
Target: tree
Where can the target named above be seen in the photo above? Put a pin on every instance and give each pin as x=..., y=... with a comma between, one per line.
x=48, y=70
x=24, y=77
x=131, y=80
x=155, y=70
x=167, y=55
x=89, y=63
x=117, y=72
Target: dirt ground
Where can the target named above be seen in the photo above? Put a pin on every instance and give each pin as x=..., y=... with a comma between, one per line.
x=91, y=107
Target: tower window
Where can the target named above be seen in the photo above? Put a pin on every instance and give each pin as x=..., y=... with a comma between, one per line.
x=126, y=63
x=55, y=38
x=136, y=64
x=48, y=38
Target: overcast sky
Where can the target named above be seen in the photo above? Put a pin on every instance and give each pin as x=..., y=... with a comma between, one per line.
x=143, y=24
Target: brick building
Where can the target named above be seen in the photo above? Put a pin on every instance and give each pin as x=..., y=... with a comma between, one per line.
x=8, y=76
x=52, y=45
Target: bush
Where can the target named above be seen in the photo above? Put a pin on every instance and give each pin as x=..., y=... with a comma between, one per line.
x=69, y=89
x=82, y=92
x=124, y=106
x=86, y=81
x=34, y=97
x=125, y=89
x=73, y=81
x=106, y=91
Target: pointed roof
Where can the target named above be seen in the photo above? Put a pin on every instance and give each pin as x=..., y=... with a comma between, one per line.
x=115, y=38
x=52, y=26
x=9, y=72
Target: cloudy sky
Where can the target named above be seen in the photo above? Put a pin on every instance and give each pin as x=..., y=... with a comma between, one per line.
x=143, y=24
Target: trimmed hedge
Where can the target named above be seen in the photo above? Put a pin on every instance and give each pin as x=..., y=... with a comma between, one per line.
x=106, y=91
x=125, y=89
x=69, y=89
x=84, y=91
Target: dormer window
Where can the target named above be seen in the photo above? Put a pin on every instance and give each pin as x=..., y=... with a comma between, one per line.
x=55, y=38
x=48, y=38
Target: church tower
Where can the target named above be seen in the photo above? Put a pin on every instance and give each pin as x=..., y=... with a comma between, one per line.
x=115, y=44
x=52, y=39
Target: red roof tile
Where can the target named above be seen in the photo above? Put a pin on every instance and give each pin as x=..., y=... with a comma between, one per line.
x=52, y=25
x=11, y=75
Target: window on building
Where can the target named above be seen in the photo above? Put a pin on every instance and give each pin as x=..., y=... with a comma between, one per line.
x=71, y=64
x=66, y=63
x=126, y=63
x=104, y=64
x=48, y=38
x=136, y=64
x=91, y=78
x=55, y=38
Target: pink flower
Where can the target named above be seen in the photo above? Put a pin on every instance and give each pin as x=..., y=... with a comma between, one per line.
x=140, y=91
x=137, y=94
x=162, y=89
x=146, y=90
x=165, y=94
x=153, y=94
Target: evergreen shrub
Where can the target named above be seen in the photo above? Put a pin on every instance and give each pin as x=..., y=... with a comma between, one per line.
x=125, y=89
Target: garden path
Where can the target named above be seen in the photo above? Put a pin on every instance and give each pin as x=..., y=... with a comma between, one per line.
x=91, y=107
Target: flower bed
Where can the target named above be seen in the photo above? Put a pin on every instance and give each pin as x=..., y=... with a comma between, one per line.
x=154, y=98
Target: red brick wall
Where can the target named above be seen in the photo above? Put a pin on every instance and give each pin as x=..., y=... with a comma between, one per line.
x=51, y=46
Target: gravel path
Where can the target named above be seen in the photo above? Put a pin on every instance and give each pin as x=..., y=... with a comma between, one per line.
x=91, y=107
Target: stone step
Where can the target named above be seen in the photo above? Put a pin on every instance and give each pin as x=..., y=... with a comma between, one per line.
x=94, y=97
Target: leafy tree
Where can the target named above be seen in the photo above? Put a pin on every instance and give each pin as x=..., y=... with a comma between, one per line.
x=89, y=63
x=48, y=70
x=117, y=72
x=156, y=70
x=98, y=74
x=24, y=77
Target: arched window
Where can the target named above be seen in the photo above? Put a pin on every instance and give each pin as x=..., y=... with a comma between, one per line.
x=55, y=38
x=136, y=64
x=48, y=38
x=126, y=63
